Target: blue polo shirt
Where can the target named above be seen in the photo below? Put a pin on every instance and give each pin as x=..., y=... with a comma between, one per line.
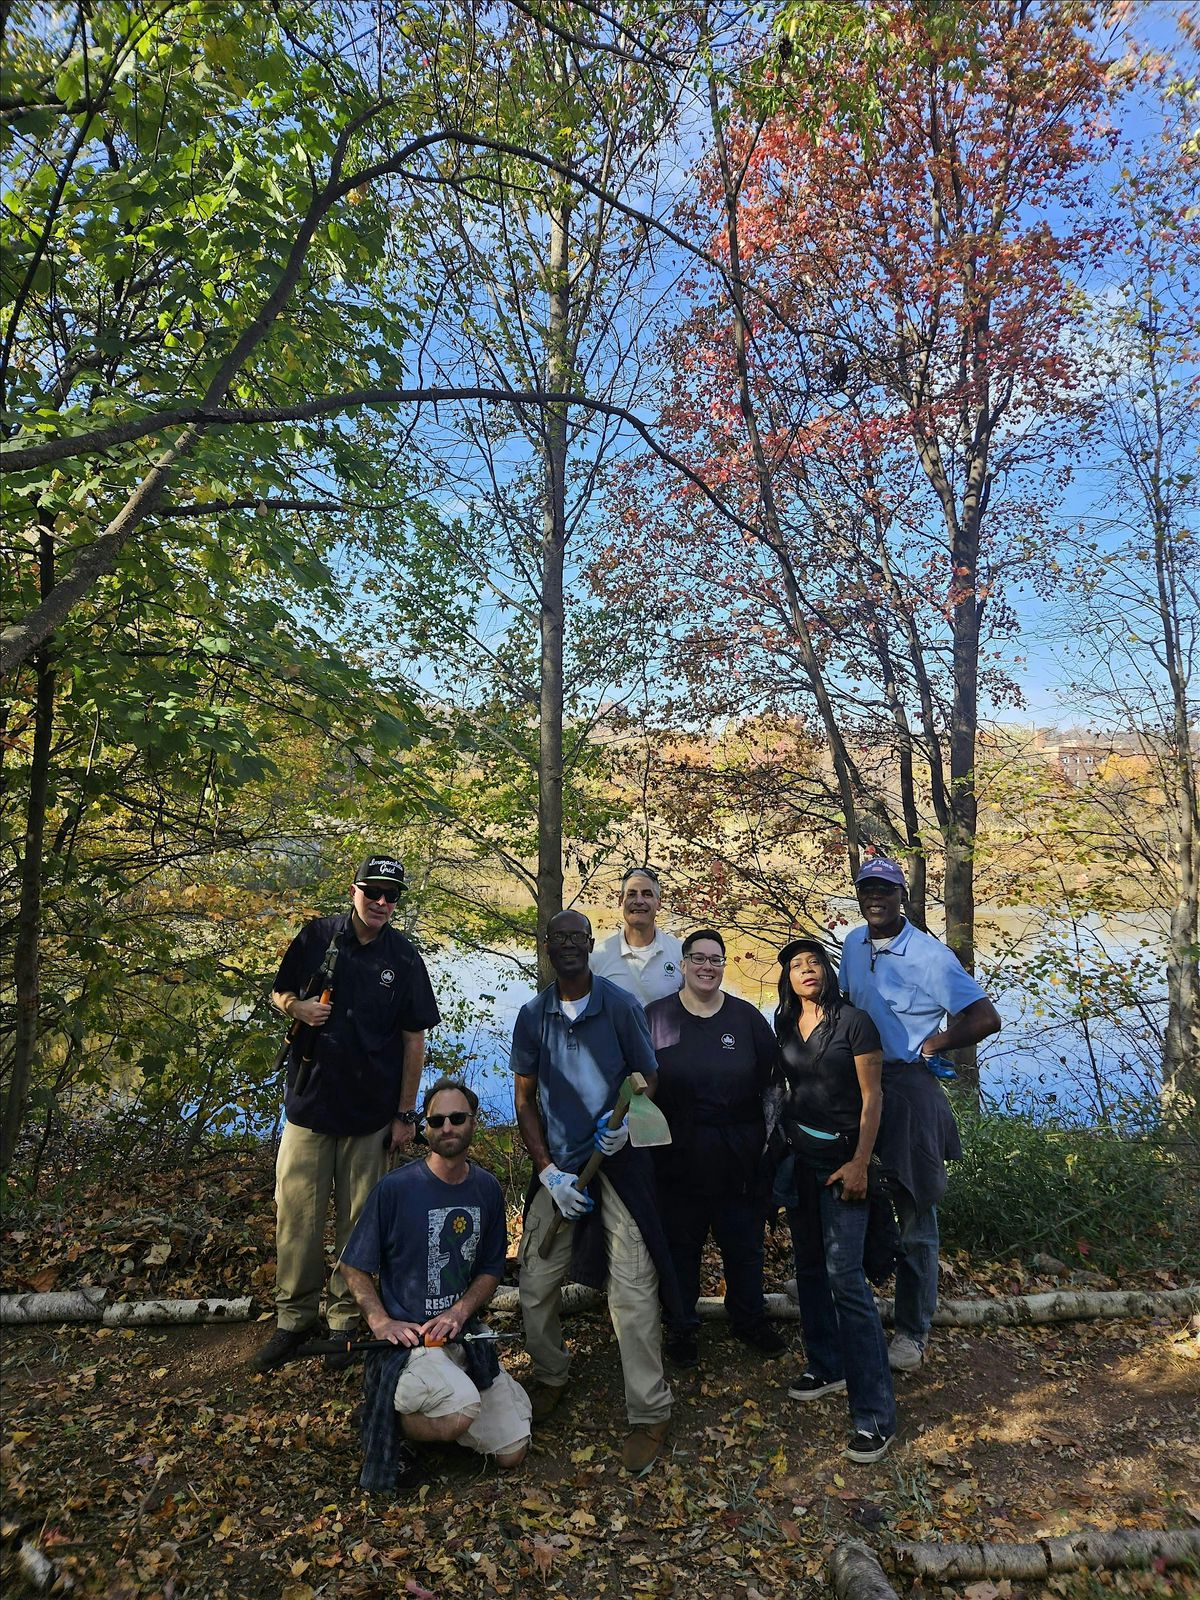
x=916, y=983
x=581, y=1065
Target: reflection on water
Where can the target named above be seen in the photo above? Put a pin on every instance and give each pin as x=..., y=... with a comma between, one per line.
x=1082, y=1005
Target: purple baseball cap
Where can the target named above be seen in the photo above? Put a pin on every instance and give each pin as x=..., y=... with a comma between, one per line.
x=881, y=868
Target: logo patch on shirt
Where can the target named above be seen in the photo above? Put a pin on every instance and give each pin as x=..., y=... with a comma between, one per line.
x=669, y=966
x=728, y=1042
x=387, y=976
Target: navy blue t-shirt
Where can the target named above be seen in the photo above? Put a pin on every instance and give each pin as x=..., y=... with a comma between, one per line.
x=426, y=1240
x=381, y=991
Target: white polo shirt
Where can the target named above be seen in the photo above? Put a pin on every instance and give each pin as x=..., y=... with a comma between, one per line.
x=650, y=972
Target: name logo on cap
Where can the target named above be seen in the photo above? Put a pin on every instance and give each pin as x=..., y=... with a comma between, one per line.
x=385, y=864
x=387, y=976
x=728, y=1042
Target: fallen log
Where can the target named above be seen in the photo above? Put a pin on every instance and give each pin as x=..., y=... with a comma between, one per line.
x=1061, y=1305
x=1056, y=1305
x=855, y=1573
x=89, y=1305
x=1088, y=1550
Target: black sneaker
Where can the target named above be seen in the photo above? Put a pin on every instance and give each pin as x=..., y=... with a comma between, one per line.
x=867, y=1447
x=279, y=1349
x=761, y=1336
x=809, y=1387
x=682, y=1350
x=339, y=1360
x=409, y=1474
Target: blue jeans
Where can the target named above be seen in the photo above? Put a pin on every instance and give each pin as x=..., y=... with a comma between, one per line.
x=917, y=1268
x=842, y=1331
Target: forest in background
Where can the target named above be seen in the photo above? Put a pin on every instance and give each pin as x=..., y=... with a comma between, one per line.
x=539, y=439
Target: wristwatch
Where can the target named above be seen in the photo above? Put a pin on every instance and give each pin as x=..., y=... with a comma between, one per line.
x=411, y=1117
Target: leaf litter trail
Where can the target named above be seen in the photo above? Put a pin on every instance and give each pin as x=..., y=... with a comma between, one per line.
x=151, y=1463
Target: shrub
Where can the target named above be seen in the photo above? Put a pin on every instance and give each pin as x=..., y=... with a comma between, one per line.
x=1111, y=1197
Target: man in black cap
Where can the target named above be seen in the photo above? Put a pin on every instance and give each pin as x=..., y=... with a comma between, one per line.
x=353, y=1073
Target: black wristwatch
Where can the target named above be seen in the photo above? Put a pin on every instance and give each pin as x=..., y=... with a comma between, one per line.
x=410, y=1117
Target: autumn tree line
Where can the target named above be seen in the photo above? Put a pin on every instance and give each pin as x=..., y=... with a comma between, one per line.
x=549, y=436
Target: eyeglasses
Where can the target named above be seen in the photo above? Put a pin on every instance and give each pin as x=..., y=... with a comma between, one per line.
x=378, y=891
x=454, y=1118
x=579, y=940
x=704, y=961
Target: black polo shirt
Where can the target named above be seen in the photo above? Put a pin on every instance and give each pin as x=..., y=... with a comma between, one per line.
x=381, y=991
x=823, y=1089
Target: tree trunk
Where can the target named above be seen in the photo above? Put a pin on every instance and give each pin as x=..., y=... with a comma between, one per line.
x=554, y=540
x=29, y=912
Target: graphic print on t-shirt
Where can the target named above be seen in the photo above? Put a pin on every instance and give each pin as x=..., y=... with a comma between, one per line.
x=453, y=1243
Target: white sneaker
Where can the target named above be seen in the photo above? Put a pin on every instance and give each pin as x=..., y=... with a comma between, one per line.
x=904, y=1354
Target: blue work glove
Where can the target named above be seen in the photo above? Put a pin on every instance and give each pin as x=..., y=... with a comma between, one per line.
x=570, y=1201
x=940, y=1066
x=609, y=1140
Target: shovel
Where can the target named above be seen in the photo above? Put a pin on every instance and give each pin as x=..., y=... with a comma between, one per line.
x=647, y=1126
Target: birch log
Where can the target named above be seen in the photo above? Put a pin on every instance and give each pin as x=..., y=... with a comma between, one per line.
x=1060, y=1305
x=855, y=1573
x=1089, y=1549
x=88, y=1305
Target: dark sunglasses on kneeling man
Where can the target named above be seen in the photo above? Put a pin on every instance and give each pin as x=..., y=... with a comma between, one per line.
x=454, y=1118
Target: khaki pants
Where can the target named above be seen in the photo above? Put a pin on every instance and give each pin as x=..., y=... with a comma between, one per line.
x=632, y=1303
x=308, y=1167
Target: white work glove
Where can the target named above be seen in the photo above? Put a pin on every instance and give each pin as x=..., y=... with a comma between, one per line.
x=561, y=1186
x=610, y=1140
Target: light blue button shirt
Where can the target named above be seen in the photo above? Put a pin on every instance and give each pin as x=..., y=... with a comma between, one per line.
x=909, y=990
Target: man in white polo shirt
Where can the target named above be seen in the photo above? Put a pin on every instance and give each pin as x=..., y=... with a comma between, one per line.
x=640, y=958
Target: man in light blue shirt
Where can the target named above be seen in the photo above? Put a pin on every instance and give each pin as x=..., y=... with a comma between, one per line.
x=923, y=1002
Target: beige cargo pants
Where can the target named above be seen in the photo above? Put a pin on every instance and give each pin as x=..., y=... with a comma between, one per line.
x=632, y=1303
x=308, y=1167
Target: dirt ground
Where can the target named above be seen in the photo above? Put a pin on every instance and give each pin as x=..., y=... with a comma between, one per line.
x=152, y=1463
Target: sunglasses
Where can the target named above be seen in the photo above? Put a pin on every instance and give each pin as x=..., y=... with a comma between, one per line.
x=378, y=891
x=454, y=1118
x=640, y=872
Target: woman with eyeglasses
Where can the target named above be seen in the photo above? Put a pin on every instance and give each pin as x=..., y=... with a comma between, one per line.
x=716, y=1057
x=833, y=1064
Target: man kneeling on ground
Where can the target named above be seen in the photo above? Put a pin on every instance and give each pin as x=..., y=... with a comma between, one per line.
x=433, y=1234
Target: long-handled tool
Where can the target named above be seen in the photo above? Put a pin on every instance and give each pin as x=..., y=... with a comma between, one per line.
x=647, y=1127
x=348, y=1345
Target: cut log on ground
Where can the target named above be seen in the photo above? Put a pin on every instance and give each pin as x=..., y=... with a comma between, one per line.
x=1057, y=1305
x=88, y=1305
x=855, y=1573
x=1088, y=1550
x=1061, y=1305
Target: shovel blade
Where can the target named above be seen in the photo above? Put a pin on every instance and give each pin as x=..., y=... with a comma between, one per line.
x=647, y=1125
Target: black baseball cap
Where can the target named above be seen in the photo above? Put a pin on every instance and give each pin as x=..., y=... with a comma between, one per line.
x=381, y=869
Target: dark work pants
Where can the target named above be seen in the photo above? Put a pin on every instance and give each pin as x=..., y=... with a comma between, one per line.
x=737, y=1225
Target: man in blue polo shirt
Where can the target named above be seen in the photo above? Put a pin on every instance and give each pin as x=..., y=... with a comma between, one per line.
x=923, y=1002
x=573, y=1046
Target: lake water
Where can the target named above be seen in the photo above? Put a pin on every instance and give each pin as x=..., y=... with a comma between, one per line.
x=1045, y=1059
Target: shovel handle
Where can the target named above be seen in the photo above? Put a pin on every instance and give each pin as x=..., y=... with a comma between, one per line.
x=634, y=1084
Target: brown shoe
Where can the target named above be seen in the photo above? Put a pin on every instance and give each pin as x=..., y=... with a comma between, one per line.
x=642, y=1445
x=545, y=1399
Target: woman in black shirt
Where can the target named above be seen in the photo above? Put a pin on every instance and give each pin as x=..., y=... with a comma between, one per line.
x=716, y=1056
x=833, y=1063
